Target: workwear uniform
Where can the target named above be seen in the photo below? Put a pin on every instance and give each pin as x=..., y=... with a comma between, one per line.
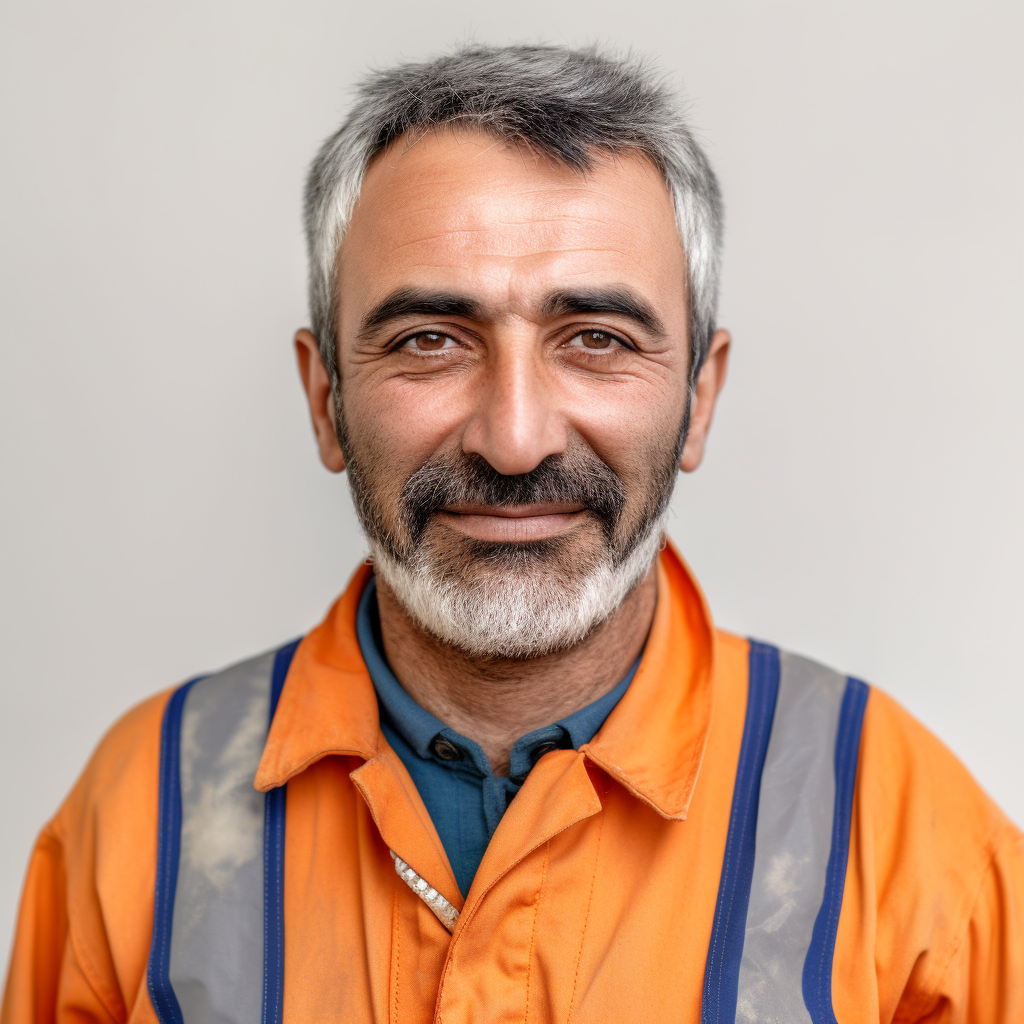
x=463, y=796
x=748, y=836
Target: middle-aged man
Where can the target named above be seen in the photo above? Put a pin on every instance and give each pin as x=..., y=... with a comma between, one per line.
x=517, y=774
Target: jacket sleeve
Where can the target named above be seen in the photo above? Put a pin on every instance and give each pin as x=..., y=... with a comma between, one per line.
x=935, y=886
x=985, y=977
x=82, y=940
x=45, y=982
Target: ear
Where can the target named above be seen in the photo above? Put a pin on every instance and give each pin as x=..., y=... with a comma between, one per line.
x=709, y=383
x=320, y=396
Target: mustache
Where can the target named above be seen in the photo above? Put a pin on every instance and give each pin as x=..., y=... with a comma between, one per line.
x=577, y=477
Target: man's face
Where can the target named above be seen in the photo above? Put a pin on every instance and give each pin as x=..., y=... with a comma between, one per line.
x=513, y=355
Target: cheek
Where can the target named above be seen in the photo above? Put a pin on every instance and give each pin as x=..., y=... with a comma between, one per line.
x=635, y=432
x=395, y=425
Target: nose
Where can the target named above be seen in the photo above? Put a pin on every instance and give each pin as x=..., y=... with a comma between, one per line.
x=516, y=422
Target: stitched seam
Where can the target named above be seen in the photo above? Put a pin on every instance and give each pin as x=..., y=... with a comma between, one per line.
x=929, y=999
x=989, y=866
x=267, y=897
x=89, y=973
x=847, y=758
x=727, y=870
x=833, y=913
x=730, y=867
x=170, y=768
x=279, y=906
x=819, y=986
x=586, y=916
x=533, y=929
x=274, y=808
x=397, y=957
x=465, y=917
x=159, y=994
x=734, y=865
x=273, y=908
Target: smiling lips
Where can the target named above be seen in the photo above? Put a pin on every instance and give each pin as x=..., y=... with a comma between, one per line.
x=511, y=523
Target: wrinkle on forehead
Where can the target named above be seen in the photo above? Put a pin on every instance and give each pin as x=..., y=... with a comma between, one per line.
x=522, y=215
x=423, y=179
x=460, y=207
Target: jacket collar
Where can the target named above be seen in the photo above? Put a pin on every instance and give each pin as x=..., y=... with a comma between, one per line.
x=328, y=704
x=652, y=743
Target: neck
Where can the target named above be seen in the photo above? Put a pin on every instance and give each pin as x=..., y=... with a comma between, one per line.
x=494, y=701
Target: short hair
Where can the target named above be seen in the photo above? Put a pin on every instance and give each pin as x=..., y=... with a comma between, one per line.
x=564, y=103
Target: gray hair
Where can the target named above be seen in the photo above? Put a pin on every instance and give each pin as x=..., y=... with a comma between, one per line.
x=564, y=103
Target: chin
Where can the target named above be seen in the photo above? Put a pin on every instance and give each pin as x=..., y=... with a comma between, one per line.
x=516, y=601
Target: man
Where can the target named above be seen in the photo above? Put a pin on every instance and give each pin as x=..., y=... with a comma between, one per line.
x=516, y=773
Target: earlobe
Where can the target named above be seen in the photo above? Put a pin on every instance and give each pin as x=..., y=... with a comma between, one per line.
x=334, y=457
x=320, y=396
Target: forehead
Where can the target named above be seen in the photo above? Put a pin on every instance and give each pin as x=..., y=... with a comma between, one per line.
x=507, y=222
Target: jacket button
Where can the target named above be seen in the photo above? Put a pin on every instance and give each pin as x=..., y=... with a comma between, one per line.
x=445, y=750
x=541, y=749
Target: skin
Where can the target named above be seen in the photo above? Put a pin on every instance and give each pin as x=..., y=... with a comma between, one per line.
x=513, y=382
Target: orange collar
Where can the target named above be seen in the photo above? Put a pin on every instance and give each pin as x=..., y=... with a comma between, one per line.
x=652, y=743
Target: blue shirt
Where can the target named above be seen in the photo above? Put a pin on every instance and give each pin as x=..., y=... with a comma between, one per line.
x=464, y=798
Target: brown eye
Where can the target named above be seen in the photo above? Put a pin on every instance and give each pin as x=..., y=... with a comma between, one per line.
x=594, y=341
x=428, y=341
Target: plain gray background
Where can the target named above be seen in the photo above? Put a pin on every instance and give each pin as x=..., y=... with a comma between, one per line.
x=164, y=510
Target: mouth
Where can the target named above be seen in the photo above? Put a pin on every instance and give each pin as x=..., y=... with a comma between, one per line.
x=511, y=523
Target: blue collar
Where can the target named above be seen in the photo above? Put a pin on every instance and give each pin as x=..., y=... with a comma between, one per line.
x=422, y=731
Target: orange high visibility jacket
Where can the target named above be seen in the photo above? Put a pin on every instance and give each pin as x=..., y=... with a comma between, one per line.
x=633, y=880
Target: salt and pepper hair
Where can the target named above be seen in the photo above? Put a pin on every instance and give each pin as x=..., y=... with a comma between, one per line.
x=566, y=104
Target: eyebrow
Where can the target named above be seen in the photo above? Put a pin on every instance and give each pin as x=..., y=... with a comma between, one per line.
x=408, y=302
x=415, y=302
x=620, y=301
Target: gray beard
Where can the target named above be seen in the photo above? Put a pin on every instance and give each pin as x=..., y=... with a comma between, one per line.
x=519, y=602
x=516, y=613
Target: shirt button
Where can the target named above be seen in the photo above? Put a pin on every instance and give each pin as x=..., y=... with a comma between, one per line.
x=541, y=749
x=445, y=750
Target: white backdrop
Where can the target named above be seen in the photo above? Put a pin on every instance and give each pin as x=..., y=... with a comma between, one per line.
x=163, y=507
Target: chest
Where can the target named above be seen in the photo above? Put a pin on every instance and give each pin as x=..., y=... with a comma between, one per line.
x=607, y=916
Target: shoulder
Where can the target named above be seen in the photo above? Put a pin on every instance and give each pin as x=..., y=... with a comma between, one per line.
x=929, y=830
x=104, y=836
x=123, y=767
x=87, y=908
x=920, y=790
x=934, y=880
x=905, y=774
x=107, y=824
x=119, y=787
x=926, y=843
x=121, y=779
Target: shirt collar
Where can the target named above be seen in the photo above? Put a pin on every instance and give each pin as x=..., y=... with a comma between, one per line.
x=419, y=728
x=652, y=742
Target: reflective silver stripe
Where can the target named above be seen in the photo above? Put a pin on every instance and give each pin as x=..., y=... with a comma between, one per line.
x=443, y=910
x=216, y=963
x=794, y=837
